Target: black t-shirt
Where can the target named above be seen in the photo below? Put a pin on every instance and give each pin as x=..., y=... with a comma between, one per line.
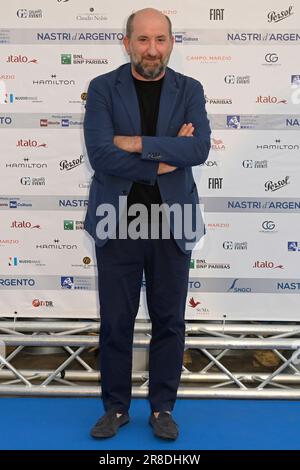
x=148, y=93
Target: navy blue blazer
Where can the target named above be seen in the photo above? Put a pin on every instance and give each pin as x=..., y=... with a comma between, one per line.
x=112, y=108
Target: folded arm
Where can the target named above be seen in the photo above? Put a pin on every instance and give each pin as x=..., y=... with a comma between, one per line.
x=104, y=155
x=181, y=151
x=135, y=144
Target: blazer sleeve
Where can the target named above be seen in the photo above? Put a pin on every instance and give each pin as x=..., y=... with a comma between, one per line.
x=103, y=155
x=183, y=151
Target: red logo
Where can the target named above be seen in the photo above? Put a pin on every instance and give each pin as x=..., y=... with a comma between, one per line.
x=29, y=143
x=193, y=303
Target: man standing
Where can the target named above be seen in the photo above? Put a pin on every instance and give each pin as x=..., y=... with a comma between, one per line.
x=145, y=127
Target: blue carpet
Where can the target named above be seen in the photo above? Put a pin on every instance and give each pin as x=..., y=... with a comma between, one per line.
x=64, y=423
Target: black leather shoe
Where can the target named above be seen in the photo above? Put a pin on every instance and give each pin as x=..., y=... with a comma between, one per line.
x=164, y=426
x=108, y=425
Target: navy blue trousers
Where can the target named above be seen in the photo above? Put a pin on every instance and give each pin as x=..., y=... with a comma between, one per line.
x=120, y=272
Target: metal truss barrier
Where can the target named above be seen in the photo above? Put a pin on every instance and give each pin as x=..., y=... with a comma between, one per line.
x=214, y=340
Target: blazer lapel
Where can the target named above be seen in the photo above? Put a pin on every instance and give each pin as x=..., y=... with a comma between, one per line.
x=167, y=102
x=126, y=89
x=128, y=96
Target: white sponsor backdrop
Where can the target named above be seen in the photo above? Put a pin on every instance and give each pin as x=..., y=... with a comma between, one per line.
x=246, y=56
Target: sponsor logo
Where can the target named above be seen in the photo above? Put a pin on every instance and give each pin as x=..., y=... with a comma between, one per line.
x=20, y=59
x=15, y=261
x=234, y=287
x=10, y=98
x=29, y=14
x=184, y=37
x=293, y=246
x=5, y=76
x=66, y=59
x=6, y=97
x=73, y=224
x=215, y=183
x=214, y=226
x=79, y=59
x=84, y=185
x=30, y=143
x=234, y=122
x=193, y=303
x=8, y=242
x=23, y=224
x=59, y=122
x=202, y=264
x=56, y=245
x=217, y=144
x=275, y=17
x=268, y=226
x=255, y=163
x=209, y=59
x=78, y=283
x=26, y=164
x=218, y=100
x=237, y=79
x=270, y=100
x=267, y=265
x=42, y=303
x=295, y=81
x=169, y=12
x=67, y=282
x=53, y=81
x=197, y=306
x=85, y=264
x=271, y=58
x=232, y=245
x=14, y=204
x=275, y=186
x=91, y=16
x=71, y=164
x=34, y=181
x=278, y=146
x=216, y=14
x=210, y=163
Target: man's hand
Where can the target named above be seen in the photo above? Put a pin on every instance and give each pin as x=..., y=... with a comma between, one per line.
x=186, y=130
x=132, y=144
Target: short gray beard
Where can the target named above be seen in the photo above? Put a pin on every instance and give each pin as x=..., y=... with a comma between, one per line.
x=150, y=74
